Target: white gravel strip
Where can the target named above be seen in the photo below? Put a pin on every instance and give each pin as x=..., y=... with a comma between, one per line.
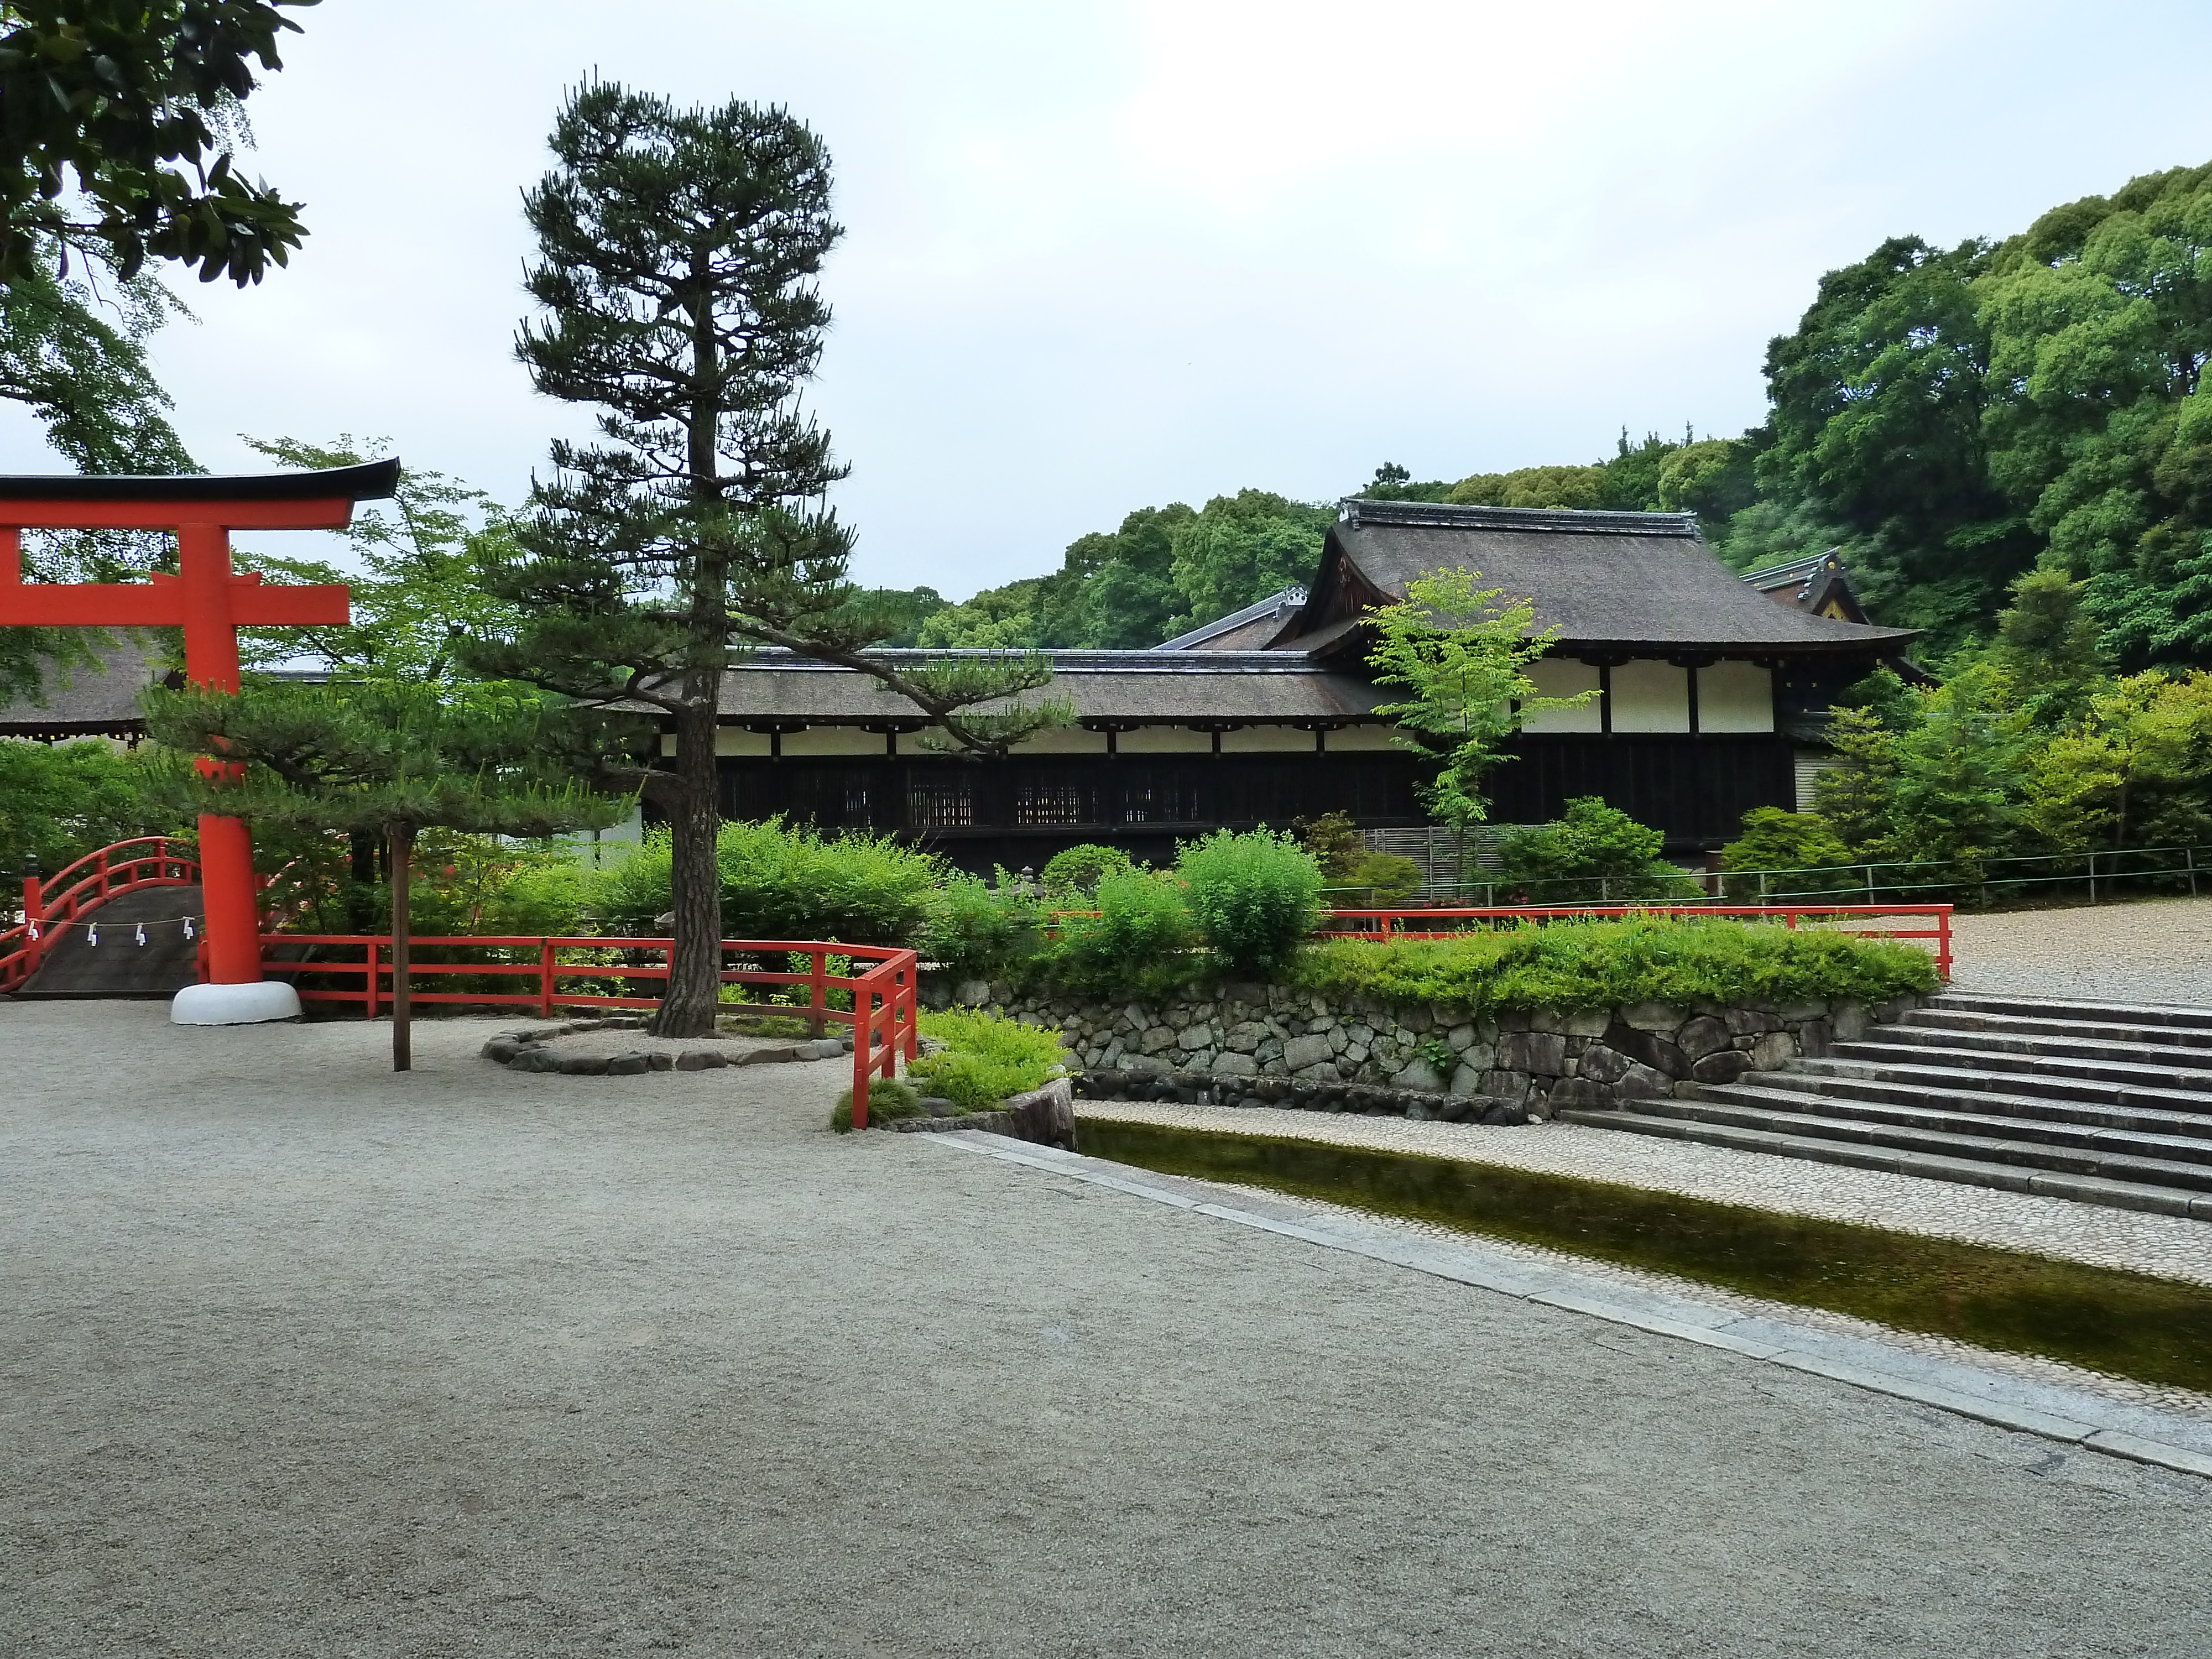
x=2171, y=1247
x=2155, y=951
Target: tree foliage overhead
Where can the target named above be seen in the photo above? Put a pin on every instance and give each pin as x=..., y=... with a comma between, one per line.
x=120, y=125
x=420, y=589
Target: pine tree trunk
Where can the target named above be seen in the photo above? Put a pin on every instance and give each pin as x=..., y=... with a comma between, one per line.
x=695, y=961
x=695, y=967
x=402, y=856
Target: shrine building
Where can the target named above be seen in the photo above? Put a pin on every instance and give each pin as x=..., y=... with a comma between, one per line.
x=1711, y=700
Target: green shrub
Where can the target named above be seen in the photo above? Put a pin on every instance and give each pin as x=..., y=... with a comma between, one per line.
x=1079, y=870
x=1593, y=854
x=1255, y=896
x=1606, y=965
x=979, y=930
x=1377, y=881
x=888, y=1100
x=1333, y=841
x=780, y=881
x=987, y=1058
x=1142, y=943
x=1801, y=843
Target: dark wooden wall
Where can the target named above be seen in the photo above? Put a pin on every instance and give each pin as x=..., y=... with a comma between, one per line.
x=1022, y=810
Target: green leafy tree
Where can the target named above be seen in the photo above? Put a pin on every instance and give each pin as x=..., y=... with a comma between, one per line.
x=59, y=802
x=378, y=759
x=1242, y=548
x=1393, y=483
x=1578, y=487
x=123, y=126
x=1461, y=654
x=678, y=254
x=2100, y=325
x=420, y=585
x=2135, y=770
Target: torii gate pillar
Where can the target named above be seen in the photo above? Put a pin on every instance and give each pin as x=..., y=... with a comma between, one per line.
x=211, y=603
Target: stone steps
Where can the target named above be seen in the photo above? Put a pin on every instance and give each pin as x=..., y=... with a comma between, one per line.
x=2107, y=1103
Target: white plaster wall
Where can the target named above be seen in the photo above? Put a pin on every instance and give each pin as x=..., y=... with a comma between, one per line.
x=1560, y=676
x=1165, y=740
x=1267, y=740
x=1352, y=739
x=1650, y=695
x=832, y=740
x=1061, y=740
x=736, y=740
x=1736, y=697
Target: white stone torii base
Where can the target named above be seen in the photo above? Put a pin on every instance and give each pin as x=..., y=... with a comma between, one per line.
x=251, y=1004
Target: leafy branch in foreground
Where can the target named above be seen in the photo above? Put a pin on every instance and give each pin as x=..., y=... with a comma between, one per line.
x=1462, y=653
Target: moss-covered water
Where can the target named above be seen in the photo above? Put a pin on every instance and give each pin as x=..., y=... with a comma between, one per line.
x=2126, y=1324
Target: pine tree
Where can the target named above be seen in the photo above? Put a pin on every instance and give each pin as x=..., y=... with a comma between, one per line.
x=678, y=252
x=383, y=759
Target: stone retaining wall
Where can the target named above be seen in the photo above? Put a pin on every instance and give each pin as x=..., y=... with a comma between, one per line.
x=1527, y=1063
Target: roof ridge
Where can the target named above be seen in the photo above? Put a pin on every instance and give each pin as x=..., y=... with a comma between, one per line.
x=1293, y=595
x=1353, y=510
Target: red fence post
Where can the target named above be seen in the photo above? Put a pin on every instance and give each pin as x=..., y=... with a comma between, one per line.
x=1943, y=943
x=818, y=999
x=864, y=1047
x=546, y=979
x=368, y=979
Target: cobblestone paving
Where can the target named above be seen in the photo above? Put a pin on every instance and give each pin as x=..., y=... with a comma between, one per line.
x=2150, y=951
x=2171, y=1246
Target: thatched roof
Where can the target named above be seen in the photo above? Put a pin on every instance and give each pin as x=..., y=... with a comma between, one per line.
x=1636, y=582
x=1256, y=688
x=87, y=702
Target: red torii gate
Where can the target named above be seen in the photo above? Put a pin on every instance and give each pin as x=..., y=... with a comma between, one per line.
x=206, y=599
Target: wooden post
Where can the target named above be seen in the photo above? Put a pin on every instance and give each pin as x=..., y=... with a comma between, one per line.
x=402, y=843
x=369, y=997
x=860, y=1050
x=546, y=979
x=817, y=1000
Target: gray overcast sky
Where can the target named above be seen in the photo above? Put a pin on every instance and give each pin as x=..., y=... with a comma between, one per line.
x=1101, y=256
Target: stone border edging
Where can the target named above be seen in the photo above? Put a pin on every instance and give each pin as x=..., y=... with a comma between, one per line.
x=2050, y=1412
x=1352, y=1099
x=526, y=1051
x=1044, y=1117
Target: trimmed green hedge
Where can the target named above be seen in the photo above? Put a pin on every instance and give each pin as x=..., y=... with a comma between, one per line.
x=1606, y=964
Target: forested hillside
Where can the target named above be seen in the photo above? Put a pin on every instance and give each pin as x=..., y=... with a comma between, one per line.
x=1950, y=418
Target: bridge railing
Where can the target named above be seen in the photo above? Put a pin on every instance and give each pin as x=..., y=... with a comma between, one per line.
x=56, y=900
x=876, y=984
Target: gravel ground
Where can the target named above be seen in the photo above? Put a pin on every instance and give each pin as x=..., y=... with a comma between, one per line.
x=299, y=1357
x=2149, y=951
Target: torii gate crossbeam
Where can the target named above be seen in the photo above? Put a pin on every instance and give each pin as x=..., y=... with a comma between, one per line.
x=211, y=603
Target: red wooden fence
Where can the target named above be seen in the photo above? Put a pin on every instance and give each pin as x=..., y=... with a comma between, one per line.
x=882, y=994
